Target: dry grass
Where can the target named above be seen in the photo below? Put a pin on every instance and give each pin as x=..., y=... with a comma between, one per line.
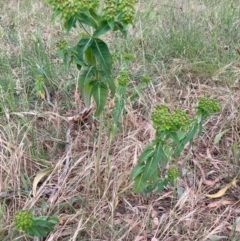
x=104, y=207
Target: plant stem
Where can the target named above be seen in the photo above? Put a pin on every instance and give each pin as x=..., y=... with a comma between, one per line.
x=174, y=196
x=85, y=29
x=98, y=158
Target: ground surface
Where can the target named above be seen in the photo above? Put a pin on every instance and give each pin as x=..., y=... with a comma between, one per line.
x=188, y=49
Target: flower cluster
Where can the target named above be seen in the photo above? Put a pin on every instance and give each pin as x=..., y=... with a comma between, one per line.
x=172, y=173
x=110, y=9
x=164, y=120
x=23, y=219
x=207, y=106
x=123, y=78
x=61, y=44
x=126, y=7
x=69, y=8
x=119, y=8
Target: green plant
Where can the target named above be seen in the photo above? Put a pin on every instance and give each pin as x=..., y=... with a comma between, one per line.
x=25, y=221
x=173, y=131
x=39, y=86
x=91, y=54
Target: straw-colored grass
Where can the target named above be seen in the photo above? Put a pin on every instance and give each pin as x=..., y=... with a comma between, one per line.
x=188, y=48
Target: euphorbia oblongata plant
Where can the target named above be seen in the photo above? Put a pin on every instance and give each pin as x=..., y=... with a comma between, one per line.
x=173, y=130
x=91, y=54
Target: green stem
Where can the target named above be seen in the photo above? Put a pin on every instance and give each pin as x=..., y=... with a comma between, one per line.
x=174, y=195
x=98, y=158
x=85, y=29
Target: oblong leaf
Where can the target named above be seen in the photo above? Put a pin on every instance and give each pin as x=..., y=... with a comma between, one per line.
x=101, y=29
x=83, y=45
x=121, y=27
x=36, y=231
x=70, y=23
x=99, y=92
x=147, y=152
x=161, y=184
x=84, y=83
x=38, y=177
x=77, y=52
x=102, y=54
x=152, y=162
x=86, y=19
x=163, y=157
x=136, y=171
x=53, y=220
x=111, y=85
x=139, y=184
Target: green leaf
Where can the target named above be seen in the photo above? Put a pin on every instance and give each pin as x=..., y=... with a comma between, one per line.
x=70, y=23
x=191, y=134
x=77, y=61
x=53, y=220
x=152, y=183
x=101, y=53
x=111, y=85
x=152, y=162
x=136, y=171
x=99, y=92
x=168, y=152
x=91, y=60
x=42, y=223
x=139, y=184
x=101, y=29
x=189, y=138
x=78, y=51
x=175, y=138
x=87, y=19
x=121, y=27
x=36, y=231
x=95, y=14
x=111, y=23
x=84, y=83
x=55, y=14
x=83, y=44
x=181, y=135
x=64, y=55
x=163, y=158
x=161, y=184
x=147, y=152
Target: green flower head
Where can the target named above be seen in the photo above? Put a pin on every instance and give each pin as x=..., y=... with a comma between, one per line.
x=164, y=120
x=207, y=106
x=123, y=10
x=172, y=173
x=110, y=9
x=69, y=8
x=61, y=44
x=123, y=78
x=180, y=118
x=23, y=219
